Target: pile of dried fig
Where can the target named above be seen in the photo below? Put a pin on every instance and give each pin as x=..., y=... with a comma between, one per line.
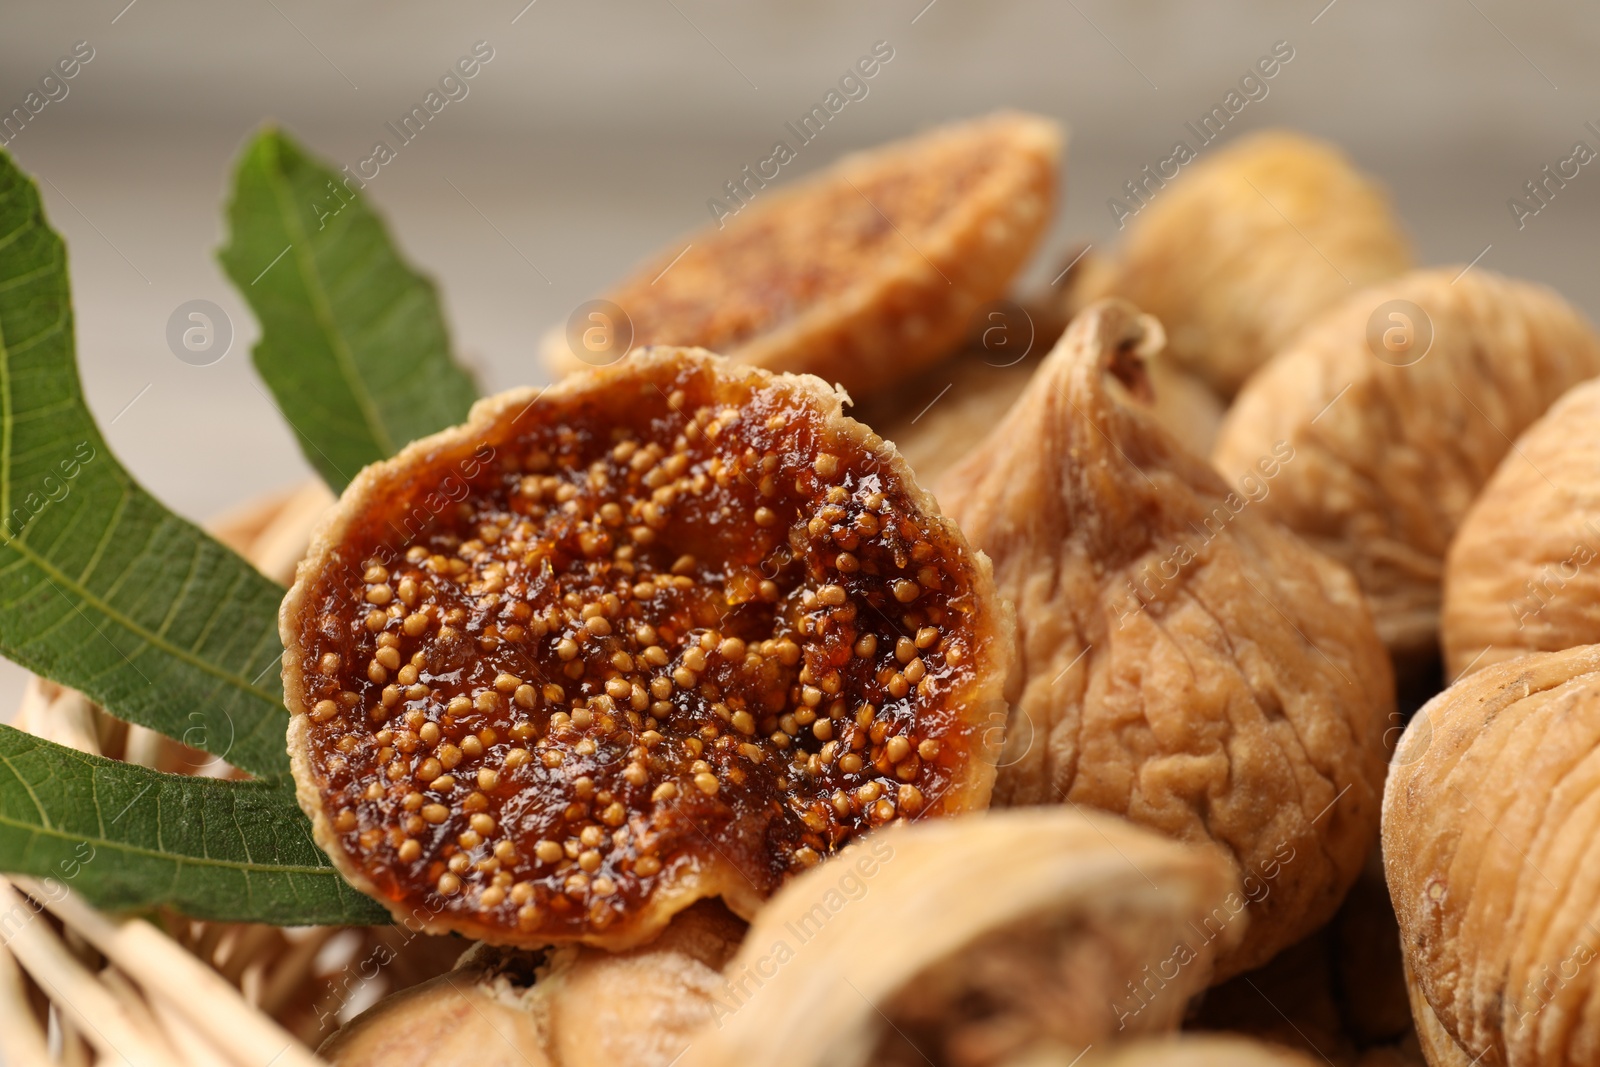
x=1184, y=661
x=1040, y=710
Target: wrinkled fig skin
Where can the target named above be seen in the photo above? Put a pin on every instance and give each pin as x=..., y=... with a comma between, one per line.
x=641, y=1007
x=974, y=938
x=1186, y=662
x=1490, y=845
x=572, y=1007
x=470, y=1017
x=1523, y=573
x=1231, y=259
x=1389, y=458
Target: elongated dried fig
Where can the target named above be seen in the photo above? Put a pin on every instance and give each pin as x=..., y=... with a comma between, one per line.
x=1185, y=661
x=974, y=939
x=570, y=1007
x=1493, y=862
x=670, y=630
x=862, y=274
x=1246, y=247
x=1393, y=443
x=1520, y=574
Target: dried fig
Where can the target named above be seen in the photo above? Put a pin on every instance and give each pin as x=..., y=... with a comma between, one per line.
x=1185, y=661
x=572, y=1007
x=862, y=274
x=1246, y=248
x=1494, y=865
x=670, y=630
x=640, y=1007
x=1393, y=443
x=1518, y=576
x=468, y=1016
x=973, y=939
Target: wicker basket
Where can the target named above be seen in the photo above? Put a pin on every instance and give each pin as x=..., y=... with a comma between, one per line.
x=79, y=987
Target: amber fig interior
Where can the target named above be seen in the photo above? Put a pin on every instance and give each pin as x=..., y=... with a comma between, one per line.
x=673, y=629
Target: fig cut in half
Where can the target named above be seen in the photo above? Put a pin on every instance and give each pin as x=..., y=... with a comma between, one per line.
x=673, y=629
x=863, y=274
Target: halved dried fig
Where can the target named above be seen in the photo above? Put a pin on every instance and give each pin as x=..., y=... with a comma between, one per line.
x=1489, y=843
x=1247, y=247
x=1520, y=575
x=862, y=274
x=1399, y=403
x=670, y=630
x=972, y=940
x=1185, y=661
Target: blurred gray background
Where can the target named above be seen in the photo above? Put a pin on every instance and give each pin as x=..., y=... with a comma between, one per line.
x=598, y=131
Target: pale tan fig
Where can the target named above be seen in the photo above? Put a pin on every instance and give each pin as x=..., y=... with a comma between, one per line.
x=1523, y=573
x=939, y=417
x=1241, y=248
x=570, y=1007
x=862, y=274
x=1185, y=661
x=470, y=1017
x=966, y=941
x=1398, y=405
x=1493, y=860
